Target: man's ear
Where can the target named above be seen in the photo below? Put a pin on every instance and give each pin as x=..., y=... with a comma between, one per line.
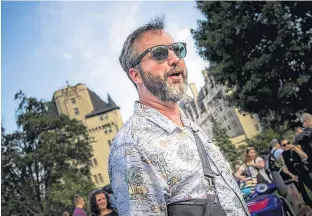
x=135, y=76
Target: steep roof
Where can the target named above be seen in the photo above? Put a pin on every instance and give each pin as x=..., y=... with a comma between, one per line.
x=99, y=105
x=52, y=110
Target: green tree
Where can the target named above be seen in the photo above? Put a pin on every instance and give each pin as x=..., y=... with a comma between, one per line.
x=44, y=163
x=222, y=140
x=262, y=141
x=262, y=52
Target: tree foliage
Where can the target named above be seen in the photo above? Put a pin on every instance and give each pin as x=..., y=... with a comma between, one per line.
x=44, y=163
x=222, y=140
x=262, y=142
x=262, y=52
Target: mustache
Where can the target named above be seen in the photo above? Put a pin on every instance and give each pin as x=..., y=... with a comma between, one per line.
x=176, y=70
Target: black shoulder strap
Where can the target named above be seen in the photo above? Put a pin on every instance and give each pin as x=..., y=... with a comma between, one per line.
x=272, y=160
x=272, y=154
x=208, y=172
x=203, y=157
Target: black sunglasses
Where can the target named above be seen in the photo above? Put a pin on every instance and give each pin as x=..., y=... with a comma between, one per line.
x=161, y=52
x=285, y=144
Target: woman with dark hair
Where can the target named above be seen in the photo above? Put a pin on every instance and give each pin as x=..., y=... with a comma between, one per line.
x=99, y=204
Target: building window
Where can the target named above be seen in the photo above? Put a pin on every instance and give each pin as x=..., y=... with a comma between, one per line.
x=257, y=127
x=220, y=108
x=107, y=129
x=76, y=111
x=100, y=177
x=234, y=123
x=109, y=142
x=230, y=114
x=96, y=179
x=224, y=118
x=95, y=162
x=229, y=127
x=103, y=117
x=73, y=100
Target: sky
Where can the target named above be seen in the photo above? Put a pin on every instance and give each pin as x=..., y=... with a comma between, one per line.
x=46, y=43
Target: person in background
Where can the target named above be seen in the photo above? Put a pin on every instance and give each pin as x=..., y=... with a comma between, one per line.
x=293, y=157
x=109, y=191
x=100, y=205
x=79, y=203
x=304, y=140
x=253, y=167
x=65, y=213
x=277, y=163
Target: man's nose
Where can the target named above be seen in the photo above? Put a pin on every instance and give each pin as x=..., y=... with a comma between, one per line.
x=173, y=58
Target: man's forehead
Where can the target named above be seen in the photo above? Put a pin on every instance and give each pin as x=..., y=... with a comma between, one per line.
x=152, y=38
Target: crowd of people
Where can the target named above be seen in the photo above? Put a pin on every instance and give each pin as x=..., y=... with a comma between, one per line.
x=290, y=158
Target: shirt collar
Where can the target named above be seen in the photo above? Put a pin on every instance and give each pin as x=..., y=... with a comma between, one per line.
x=162, y=121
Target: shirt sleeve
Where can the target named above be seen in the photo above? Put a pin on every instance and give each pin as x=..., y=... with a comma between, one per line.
x=243, y=167
x=278, y=153
x=136, y=186
x=258, y=159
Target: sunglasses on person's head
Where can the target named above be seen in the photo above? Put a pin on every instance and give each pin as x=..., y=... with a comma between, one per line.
x=285, y=144
x=161, y=52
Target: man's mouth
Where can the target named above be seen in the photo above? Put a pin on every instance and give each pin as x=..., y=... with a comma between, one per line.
x=176, y=74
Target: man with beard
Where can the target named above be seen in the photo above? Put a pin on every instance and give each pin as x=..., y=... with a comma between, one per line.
x=154, y=160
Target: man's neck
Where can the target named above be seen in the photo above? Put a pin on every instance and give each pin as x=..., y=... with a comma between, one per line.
x=170, y=110
x=79, y=206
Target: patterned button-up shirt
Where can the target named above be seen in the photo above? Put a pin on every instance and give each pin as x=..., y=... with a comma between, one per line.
x=153, y=162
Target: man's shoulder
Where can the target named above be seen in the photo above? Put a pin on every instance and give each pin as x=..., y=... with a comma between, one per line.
x=79, y=212
x=134, y=127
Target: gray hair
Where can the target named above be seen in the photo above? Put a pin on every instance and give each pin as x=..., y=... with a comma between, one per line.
x=128, y=55
x=305, y=116
x=274, y=142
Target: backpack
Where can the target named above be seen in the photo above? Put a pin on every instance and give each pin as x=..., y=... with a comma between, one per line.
x=271, y=163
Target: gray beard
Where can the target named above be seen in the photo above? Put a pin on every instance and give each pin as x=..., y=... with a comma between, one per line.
x=162, y=89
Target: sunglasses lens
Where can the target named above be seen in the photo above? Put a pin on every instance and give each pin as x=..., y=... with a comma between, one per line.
x=160, y=53
x=179, y=49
